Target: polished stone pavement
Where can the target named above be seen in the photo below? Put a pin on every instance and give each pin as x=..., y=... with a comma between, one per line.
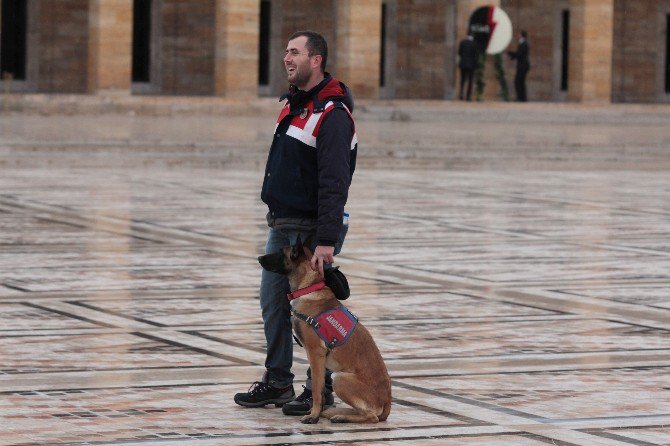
x=512, y=263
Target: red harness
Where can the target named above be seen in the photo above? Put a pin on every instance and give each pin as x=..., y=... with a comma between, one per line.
x=333, y=326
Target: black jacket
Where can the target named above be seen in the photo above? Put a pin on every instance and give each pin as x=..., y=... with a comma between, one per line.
x=522, y=56
x=312, y=159
x=468, y=54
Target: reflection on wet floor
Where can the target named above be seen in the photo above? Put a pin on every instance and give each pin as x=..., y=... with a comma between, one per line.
x=522, y=307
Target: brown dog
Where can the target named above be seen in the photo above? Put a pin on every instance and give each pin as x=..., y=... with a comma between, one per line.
x=360, y=379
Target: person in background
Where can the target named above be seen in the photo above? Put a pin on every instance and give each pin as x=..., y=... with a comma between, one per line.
x=468, y=57
x=522, y=66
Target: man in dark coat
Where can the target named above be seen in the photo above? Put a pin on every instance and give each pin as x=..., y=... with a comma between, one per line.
x=305, y=186
x=468, y=55
x=522, y=66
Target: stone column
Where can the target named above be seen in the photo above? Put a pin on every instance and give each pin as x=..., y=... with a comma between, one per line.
x=236, y=48
x=110, y=26
x=591, y=46
x=359, y=45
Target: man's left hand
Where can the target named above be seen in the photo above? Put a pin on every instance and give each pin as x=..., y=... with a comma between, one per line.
x=322, y=255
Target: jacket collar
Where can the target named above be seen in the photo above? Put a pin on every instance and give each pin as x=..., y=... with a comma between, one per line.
x=320, y=93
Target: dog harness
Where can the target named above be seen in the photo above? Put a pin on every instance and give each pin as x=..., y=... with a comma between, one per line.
x=333, y=326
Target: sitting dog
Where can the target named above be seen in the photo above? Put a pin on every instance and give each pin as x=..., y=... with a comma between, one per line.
x=333, y=339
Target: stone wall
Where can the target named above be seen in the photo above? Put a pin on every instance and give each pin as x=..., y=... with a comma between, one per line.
x=420, y=49
x=640, y=28
x=70, y=48
x=187, y=42
x=62, y=46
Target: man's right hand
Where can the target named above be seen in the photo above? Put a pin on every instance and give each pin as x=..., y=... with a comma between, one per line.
x=322, y=255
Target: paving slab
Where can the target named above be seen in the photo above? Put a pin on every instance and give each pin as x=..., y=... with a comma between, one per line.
x=512, y=263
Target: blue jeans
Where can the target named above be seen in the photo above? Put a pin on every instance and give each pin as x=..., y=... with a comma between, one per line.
x=276, y=309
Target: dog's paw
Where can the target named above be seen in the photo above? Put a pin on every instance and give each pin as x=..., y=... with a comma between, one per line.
x=308, y=419
x=338, y=419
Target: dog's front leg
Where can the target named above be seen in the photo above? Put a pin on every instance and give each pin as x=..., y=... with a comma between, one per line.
x=317, y=362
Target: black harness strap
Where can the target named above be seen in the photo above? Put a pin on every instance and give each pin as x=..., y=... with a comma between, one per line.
x=310, y=320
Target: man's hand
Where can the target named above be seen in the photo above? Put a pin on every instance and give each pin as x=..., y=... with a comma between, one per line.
x=322, y=254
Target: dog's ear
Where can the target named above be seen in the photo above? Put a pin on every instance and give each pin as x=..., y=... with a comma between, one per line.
x=296, y=249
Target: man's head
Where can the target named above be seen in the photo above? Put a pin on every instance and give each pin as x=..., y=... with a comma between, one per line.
x=305, y=59
x=524, y=34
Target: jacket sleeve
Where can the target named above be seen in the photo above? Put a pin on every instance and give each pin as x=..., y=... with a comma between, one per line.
x=333, y=145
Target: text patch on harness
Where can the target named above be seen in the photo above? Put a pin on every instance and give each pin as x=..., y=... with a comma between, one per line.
x=335, y=326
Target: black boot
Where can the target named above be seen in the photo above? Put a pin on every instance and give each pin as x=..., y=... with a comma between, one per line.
x=261, y=393
x=302, y=405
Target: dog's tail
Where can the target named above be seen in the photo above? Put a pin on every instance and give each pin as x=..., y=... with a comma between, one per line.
x=385, y=412
x=387, y=407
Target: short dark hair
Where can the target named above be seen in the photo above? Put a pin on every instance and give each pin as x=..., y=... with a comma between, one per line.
x=524, y=34
x=316, y=44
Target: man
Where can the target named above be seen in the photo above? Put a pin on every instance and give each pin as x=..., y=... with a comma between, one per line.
x=468, y=57
x=312, y=159
x=522, y=66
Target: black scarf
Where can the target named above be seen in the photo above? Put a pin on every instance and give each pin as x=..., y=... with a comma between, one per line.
x=297, y=98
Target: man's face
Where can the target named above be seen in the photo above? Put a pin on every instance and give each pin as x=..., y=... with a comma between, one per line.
x=298, y=63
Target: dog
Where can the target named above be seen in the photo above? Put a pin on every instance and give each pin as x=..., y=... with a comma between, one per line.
x=360, y=377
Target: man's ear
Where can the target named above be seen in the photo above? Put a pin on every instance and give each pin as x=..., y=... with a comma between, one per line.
x=316, y=62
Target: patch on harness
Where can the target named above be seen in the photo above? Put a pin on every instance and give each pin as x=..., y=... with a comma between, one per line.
x=335, y=326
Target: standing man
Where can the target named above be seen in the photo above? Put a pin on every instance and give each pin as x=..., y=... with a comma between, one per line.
x=522, y=66
x=468, y=57
x=306, y=184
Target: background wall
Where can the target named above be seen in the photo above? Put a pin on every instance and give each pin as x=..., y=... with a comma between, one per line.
x=186, y=46
x=420, y=47
x=62, y=45
x=640, y=30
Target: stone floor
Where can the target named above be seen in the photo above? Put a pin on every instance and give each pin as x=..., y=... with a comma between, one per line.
x=513, y=265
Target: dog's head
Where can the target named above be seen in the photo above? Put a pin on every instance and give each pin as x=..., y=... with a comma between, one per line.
x=287, y=260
